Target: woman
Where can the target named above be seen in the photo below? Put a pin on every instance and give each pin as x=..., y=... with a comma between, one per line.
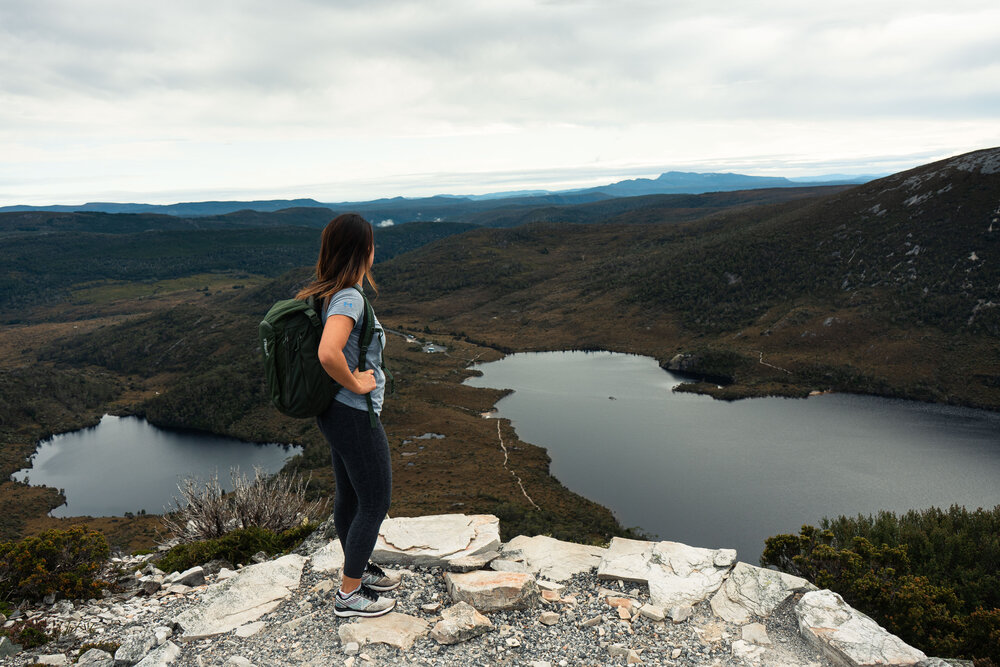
x=358, y=444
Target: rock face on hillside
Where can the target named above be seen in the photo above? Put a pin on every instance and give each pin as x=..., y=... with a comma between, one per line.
x=545, y=602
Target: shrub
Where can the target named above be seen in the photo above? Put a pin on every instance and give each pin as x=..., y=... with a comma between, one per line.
x=929, y=577
x=29, y=634
x=237, y=546
x=276, y=504
x=56, y=561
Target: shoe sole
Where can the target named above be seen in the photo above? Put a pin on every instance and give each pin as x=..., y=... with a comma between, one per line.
x=383, y=589
x=346, y=613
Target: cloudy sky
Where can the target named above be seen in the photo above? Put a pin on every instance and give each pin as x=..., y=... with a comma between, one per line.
x=134, y=100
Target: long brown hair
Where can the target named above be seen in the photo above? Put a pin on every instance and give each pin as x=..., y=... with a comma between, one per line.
x=344, y=249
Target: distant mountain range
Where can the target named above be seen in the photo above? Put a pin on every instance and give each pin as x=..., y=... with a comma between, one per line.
x=451, y=207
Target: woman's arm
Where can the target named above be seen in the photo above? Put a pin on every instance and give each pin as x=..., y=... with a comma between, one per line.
x=336, y=331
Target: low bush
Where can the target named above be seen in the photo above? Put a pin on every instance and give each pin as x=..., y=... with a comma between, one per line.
x=276, y=504
x=65, y=562
x=29, y=634
x=930, y=577
x=237, y=546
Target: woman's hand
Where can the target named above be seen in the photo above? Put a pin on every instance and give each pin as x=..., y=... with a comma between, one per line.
x=366, y=380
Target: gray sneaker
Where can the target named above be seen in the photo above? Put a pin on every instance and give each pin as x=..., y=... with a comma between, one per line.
x=362, y=602
x=378, y=579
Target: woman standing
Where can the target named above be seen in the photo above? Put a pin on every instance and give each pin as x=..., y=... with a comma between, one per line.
x=358, y=445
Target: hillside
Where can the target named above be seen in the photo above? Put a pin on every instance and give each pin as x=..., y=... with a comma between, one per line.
x=887, y=288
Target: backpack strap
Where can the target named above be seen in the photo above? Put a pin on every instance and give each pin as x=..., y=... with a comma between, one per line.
x=367, y=333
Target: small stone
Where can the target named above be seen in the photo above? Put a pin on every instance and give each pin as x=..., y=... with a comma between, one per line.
x=135, y=647
x=349, y=662
x=591, y=622
x=548, y=618
x=512, y=642
x=676, y=653
x=550, y=596
x=149, y=586
x=616, y=650
x=352, y=648
x=177, y=589
x=53, y=659
x=621, y=602
x=470, y=563
x=547, y=585
x=493, y=591
x=756, y=633
x=192, y=577
x=539, y=663
x=652, y=612
x=681, y=613
x=633, y=658
x=237, y=661
x=459, y=623
x=324, y=586
x=431, y=607
x=623, y=613
x=49, y=599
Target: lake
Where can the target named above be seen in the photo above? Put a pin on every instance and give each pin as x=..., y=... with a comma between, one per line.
x=708, y=473
x=125, y=464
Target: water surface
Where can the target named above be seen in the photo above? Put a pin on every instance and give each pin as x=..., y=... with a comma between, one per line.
x=125, y=464
x=713, y=474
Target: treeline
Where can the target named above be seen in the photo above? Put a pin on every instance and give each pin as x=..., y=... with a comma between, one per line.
x=932, y=577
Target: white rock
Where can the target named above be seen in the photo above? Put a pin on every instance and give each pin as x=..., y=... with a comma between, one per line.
x=250, y=629
x=95, y=657
x=751, y=590
x=162, y=656
x=652, y=612
x=548, y=618
x=744, y=650
x=755, y=633
x=135, y=647
x=254, y=591
x=470, y=563
x=460, y=623
x=848, y=637
x=675, y=572
x=436, y=539
x=223, y=574
x=547, y=585
x=492, y=591
x=237, y=661
x=680, y=613
x=551, y=558
x=504, y=565
x=394, y=628
x=191, y=577
x=351, y=648
x=328, y=558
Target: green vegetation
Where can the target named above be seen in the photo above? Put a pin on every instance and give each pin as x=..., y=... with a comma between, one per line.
x=56, y=561
x=29, y=634
x=931, y=577
x=237, y=547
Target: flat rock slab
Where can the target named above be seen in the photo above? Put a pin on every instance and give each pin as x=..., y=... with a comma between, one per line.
x=847, y=636
x=676, y=573
x=493, y=591
x=752, y=590
x=328, y=558
x=394, y=628
x=553, y=559
x=243, y=598
x=437, y=539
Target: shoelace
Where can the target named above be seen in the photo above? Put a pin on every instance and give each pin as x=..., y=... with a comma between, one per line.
x=372, y=568
x=366, y=592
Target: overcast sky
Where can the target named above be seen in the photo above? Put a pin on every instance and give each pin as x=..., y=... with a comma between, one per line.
x=133, y=100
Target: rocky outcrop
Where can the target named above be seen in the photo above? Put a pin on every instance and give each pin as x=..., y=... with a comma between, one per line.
x=243, y=598
x=436, y=540
x=847, y=636
x=676, y=573
x=660, y=603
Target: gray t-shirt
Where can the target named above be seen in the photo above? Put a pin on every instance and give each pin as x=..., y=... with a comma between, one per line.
x=349, y=302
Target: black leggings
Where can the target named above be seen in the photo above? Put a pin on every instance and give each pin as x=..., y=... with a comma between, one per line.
x=363, y=473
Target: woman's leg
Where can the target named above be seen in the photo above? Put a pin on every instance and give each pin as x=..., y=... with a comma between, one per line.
x=363, y=452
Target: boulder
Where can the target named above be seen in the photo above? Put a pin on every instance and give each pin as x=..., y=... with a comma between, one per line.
x=329, y=558
x=162, y=656
x=492, y=591
x=192, y=577
x=394, y=628
x=551, y=558
x=8, y=648
x=95, y=657
x=436, y=539
x=504, y=565
x=676, y=573
x=848, y=637
x=213, y=566
x=134, y=648
x=459, y=623
x=243, y=598
x=751, y=590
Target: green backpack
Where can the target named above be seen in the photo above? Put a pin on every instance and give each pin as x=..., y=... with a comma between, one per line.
x=289, y=336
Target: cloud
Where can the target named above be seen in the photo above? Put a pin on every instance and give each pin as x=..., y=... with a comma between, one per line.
x=182, y=95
